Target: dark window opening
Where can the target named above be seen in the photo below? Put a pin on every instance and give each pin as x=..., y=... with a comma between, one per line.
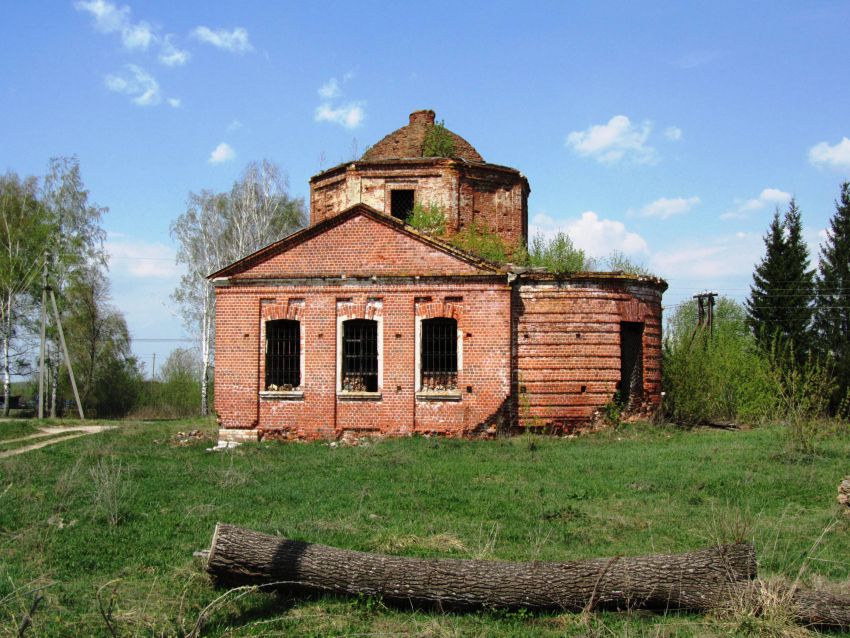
x=439, y=354
x=283, y=354
x=401, y=203
x=360, y=355
x=631, y=364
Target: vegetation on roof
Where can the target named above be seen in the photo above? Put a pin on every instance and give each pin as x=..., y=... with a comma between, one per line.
x=438, y=142
x=557, y=254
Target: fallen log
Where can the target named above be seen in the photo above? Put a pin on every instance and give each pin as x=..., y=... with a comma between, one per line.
x=699, y=581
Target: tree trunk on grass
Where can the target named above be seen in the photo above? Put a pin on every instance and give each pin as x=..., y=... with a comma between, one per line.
x=700, y=580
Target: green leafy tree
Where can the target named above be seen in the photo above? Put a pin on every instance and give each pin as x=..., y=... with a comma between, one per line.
x=719, y=375
x=24, y=228
x=781, y=296
x=832, y=303
x=99, y=345
x=75, y=243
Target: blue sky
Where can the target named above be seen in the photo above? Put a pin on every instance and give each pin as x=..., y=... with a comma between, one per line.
x=666, y=130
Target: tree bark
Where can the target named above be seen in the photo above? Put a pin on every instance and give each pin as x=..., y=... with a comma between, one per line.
x=700, y=580
x=7, y=373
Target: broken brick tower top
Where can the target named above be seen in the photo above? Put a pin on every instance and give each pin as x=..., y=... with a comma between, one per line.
x=395, y=174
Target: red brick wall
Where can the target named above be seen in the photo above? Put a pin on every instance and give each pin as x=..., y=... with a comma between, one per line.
x=483, y=194
x=361, y=246
x=482, y=312
x=567, y=337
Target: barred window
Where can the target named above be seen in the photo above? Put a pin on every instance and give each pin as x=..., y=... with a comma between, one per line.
x=439, y=354
x=283, y=354
x=360, y=355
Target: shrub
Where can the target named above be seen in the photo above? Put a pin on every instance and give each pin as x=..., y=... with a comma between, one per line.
x=430, y=220
x=480, y=240
x=803, y=392
x=558, y=255
x=719, y=376
x=438, y=142
x=177, y=392
x=619, y=262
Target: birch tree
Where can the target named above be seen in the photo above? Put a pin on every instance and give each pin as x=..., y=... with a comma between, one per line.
x=76, y=240
x=220, y=228
x=23, y=232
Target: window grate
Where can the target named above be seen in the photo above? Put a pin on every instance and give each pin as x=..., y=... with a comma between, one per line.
x=360, y=355
x=439, y=354
x=401, y=203
x=283, y=354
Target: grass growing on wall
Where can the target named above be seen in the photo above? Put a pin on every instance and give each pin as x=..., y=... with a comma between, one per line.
x=640, y=490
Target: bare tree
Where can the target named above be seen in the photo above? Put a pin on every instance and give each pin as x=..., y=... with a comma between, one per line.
x=220, y=228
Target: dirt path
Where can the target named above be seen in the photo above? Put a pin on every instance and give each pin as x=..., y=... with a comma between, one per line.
x=74, y=432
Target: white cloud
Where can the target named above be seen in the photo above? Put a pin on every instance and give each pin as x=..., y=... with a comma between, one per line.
x=108, y=18
x=137, y=83
x=222, y=153
x=673, y=133
x=137, y=36
x=175, y=102
x=330, y=90
x=235, y=125
x=612, y=142
x=665, y=207
x=597, y=237
x=710, y=260
x=348, y=115
x=768, y=196
x=235, y=40
x=140, y=259
x=170, y=54
x=837, y=156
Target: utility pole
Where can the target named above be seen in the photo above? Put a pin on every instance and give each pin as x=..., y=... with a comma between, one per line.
x=153, y=368
x=705, y=313
x=67, y=356
x=45, y=288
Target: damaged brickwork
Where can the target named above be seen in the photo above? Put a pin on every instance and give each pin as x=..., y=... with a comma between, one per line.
x=364, y=306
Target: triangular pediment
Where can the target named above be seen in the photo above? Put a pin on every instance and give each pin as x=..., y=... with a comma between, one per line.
x=358, y=242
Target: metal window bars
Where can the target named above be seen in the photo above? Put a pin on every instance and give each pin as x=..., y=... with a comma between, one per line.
x=283, y=354
x=360, y=355
x=439, y=354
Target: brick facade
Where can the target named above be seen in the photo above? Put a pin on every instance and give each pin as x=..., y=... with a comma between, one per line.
x=467, y=189
x=531, y=350
x=568, y=346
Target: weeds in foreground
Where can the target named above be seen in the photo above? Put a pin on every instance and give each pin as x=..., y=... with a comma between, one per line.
x=112, y=490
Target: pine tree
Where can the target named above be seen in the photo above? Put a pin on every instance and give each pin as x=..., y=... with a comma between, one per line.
x=780, y=303
x=800, y=285
x=832, y=304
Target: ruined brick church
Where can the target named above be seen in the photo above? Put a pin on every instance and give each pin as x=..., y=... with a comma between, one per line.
x=361, y=325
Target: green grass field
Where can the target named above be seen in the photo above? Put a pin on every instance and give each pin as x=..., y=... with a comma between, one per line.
x=642, y=490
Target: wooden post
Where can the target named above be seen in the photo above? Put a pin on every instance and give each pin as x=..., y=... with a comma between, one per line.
x=67, y=356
